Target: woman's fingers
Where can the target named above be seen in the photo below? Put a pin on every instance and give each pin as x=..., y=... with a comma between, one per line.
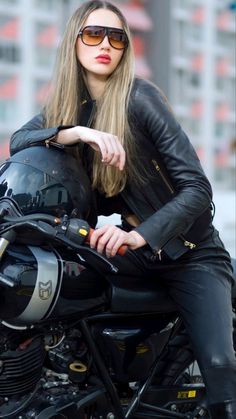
x=117, y=155
x=112, y=151
x=108, y=239
x=101, y=237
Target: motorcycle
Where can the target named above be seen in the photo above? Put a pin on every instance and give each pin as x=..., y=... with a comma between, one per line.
x=77, y=342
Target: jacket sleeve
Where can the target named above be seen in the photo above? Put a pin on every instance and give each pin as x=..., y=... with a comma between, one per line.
x=33, y=133
x=193, y=192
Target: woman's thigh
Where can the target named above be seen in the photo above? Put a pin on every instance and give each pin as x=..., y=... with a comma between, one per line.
x=204, y=301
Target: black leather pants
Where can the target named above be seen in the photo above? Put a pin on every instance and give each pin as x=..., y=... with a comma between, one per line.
x=200, y=283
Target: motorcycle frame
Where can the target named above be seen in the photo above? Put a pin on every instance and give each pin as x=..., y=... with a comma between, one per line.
x=150, y=410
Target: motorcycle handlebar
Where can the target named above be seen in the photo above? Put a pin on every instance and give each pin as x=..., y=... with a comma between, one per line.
x=80, y=231
x=75, y=229
x=33, y=217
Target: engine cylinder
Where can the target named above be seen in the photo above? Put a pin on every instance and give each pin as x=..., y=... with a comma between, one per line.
x=20, y=369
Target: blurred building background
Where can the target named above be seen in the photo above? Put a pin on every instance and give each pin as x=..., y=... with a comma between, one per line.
x=187, y=47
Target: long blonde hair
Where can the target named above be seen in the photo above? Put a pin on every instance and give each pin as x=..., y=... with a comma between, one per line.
x=64, y=104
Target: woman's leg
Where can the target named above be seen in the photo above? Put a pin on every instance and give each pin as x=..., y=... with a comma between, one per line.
x=204, y=299
x=201, y=288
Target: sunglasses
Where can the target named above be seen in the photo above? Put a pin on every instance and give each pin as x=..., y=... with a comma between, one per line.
x=94, y=35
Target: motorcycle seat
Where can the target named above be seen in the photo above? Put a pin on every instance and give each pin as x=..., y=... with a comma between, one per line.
x=139, y=295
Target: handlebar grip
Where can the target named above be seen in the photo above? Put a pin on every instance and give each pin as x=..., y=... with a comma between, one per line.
x=121, y=251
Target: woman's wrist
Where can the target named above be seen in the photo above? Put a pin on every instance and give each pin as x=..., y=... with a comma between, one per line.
x=139, y=240
x=68, y=136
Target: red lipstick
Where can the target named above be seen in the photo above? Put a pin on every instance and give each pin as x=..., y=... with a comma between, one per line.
x=103, y=58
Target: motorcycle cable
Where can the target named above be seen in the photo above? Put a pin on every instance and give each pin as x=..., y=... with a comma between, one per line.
x=59, y=236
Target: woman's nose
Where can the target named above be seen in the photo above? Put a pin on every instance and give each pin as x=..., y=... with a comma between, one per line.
x=105, y=43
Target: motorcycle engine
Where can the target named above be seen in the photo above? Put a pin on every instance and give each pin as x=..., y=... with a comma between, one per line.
x=40, y=371
x=21, y=361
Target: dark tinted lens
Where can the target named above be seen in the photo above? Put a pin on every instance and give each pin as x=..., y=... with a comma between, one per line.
x=117, y=39
x=92, y=35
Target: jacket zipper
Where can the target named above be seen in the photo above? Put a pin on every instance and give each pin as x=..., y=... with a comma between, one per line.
x=186, y=242
x=158, y=169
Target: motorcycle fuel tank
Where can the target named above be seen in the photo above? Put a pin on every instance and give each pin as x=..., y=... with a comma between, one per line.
x=37, y=284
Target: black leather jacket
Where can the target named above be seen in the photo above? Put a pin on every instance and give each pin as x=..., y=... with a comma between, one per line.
x=174, y=202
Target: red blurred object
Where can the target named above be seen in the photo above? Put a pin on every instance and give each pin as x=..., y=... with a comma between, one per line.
x=139, y=45
x=223, y=20
x=197, y=63
x=198, y=15
x=4, y=150
x=48, y=37
x=196, y=110
x=136, y=15
x=43, y=92
x=222, y=66
x=221, y=158
x=10, y=29
x=142, y=67
x=200, y=153
x=222, y=112
x=9, y=88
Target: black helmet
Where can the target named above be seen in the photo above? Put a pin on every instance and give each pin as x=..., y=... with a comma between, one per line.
x=48, y=180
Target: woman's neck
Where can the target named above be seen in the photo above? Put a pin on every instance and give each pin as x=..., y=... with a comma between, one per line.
x=96, y=86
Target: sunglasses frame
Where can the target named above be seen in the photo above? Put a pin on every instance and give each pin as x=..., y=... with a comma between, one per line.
x=107, y=30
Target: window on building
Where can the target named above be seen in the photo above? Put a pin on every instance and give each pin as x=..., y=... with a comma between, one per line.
x=219, y=129
x=8, y=110
x=179, y=83
x=195, y=32
x=9, y=53
x=46, y=37
x=46, y=4
x=9, y=3
x=195, y=80
x=183, y=4
x=43, y=57
x=41, y=91
x=8, y=97
x=194, y=127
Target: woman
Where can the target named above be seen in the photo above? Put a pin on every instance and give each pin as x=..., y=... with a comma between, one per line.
x=142, y=165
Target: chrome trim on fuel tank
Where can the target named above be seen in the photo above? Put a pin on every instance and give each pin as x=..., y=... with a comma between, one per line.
x=46, y=285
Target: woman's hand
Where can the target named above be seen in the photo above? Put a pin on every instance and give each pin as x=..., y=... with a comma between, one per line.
x=112, y=152
x=109, y=238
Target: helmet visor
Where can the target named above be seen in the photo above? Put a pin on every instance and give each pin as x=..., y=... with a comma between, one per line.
x=33, y=190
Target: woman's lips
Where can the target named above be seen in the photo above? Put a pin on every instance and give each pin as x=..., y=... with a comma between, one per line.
x=104, y=59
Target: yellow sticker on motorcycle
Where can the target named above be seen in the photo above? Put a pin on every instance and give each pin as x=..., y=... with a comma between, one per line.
x=186, y=394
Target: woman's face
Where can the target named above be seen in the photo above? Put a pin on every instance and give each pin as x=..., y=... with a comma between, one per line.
x=101, y=60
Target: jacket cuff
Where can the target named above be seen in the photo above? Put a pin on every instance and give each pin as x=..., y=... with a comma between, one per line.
x=146, y=231
x=51, y=141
